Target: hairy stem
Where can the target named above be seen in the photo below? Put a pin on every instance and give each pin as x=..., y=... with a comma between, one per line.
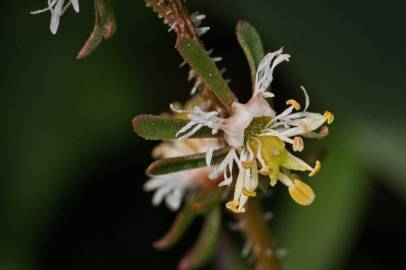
x=177, y=17
x=257, y=233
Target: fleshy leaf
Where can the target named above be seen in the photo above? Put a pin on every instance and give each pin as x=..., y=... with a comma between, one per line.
x=104, y=27
x=251, y=43
x=206, y=244
x=153, y=127
x=183, y=221
x=169, y=165
x=199, y=60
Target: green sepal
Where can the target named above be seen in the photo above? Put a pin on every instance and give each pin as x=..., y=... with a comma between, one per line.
x=169, y=165
x=104, y=28
x=182, y=222
x=153, y=127
x=251, y=44
x=205, y=247
x=199, y=60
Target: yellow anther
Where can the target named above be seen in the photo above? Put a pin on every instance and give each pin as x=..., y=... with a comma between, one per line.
x=249, y=193
x=316, y=169
x=298, y=144
x=301, y=193
x=293, y=103
x=232, y=206
x=266, y=170
x=329, y=117
x=247, y=164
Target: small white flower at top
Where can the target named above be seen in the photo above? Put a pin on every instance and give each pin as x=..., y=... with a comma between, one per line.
x=57, y=9
x=258, y=138
x=174, y=186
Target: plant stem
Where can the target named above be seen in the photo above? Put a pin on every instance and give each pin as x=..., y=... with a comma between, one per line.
x=257, y=233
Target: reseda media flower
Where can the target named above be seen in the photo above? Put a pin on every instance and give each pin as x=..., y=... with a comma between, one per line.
x=173, y=187
x=57, y=9
x=258, y=137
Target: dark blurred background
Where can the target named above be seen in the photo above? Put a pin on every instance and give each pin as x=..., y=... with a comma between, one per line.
x=72, y=170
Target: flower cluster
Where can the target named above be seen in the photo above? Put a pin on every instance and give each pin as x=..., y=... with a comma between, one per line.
x=257, y=137
x=57, y=9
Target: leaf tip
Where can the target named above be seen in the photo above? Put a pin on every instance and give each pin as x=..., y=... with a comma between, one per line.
x=137, y=123
x=241, y=23
x=151, y=170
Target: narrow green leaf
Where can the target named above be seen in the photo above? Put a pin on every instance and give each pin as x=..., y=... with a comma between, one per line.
x=169, y=165
x=206, y=245
x=182, y=222
x=153, y=127
x=251, y=43
x=197, y=57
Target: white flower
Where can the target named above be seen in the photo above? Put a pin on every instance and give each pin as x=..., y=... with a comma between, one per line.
x=257, y=136
x=57, y=9
x=174, y=186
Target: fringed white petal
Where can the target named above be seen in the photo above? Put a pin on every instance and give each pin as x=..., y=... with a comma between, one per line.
x=307, y=99
x=55, y=16
x=226, y=168
x=198, y=119
x=57, y=9
x=75, y=4
x=307, y=124
x=209, y=155
x=172, y=187
x=265, y=70
x=174, y=199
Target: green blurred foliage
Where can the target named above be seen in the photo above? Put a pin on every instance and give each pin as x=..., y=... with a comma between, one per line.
x=59, y=115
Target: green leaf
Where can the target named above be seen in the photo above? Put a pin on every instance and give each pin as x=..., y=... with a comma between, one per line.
x=104, y=27
x=153, y=127
x=169, y=165
x=182, y=222
x=251, y=43
x=197, y=57
x=206, y=245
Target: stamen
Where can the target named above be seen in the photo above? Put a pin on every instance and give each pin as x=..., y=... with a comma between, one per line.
x=298, y=144
x=266, y=170
x=232, y=206
x=247, y=164
x=329, y=117
x=316, y=169
x=301, y=193
x=293, y=103
x=248, y=193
